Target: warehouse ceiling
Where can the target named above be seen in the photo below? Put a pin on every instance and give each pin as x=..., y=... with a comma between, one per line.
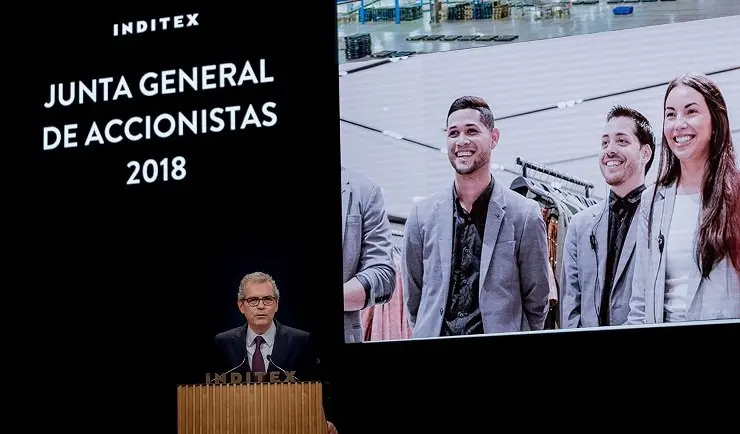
x=394, y=114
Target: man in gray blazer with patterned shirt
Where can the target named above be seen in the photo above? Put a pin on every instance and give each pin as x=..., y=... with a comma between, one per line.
x=367, y=249
x=475, y=256
x=598, y=261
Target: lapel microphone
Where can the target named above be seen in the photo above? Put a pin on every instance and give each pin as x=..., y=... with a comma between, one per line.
x=661, y=241
x=592, y=237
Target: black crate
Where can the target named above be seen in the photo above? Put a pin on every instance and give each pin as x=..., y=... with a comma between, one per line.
x=483, y=11
x=383, y=54
x=457, y=12
x=357, y=46
x=386, y=14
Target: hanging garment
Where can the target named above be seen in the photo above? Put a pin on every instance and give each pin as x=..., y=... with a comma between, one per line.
x=388, y=321
x=553, y=316
x=552, y=241
x=563, y=220
x=552, y=321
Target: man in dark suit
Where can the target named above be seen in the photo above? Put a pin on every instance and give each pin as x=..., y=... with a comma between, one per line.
x=263, y=345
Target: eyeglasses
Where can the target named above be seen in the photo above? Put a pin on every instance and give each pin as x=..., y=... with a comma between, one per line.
x=255, y=301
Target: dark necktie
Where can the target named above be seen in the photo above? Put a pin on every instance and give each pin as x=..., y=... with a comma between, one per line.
x=258, y=363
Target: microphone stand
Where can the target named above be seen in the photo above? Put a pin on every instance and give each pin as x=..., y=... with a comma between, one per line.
x=244, y=360
x=269, y=359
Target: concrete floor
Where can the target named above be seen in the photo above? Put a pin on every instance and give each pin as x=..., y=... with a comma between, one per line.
x=584, y=19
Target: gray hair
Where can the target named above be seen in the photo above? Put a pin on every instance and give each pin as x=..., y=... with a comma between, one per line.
x=257, y=277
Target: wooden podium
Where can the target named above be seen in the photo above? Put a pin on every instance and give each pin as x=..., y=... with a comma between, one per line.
x=259, y=408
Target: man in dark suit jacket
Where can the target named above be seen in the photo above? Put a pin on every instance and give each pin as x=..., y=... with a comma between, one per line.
x=263, y=345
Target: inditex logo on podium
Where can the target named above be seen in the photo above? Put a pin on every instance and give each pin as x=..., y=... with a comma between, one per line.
x=251, y=377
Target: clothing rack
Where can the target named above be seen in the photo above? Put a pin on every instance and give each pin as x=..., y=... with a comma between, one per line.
x=558, y=207
x=526, y=164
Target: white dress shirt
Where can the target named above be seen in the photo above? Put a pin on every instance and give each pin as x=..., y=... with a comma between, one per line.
x=267, y=345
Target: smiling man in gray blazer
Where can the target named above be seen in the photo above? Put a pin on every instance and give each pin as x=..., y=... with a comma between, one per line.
x=367, y=249
x=475, y=255
x=598, y=261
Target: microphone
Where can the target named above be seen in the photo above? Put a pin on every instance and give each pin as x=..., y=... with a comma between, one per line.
x=594, y=245
x=244, y=360
x=661, y=240
x=269, y=359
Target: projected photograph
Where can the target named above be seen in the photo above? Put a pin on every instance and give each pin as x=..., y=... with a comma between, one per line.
x=371, y=30
x=558, y=184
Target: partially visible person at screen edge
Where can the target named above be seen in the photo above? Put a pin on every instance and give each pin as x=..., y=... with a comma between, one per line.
x=291, y=349
x=688, y=248
x=367, y=250
x=475, y=254
x=599, y=245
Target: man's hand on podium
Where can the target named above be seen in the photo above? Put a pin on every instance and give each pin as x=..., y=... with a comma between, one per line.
x=332, y=428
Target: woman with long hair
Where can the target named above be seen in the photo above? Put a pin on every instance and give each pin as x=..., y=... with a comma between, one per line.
x=687, y=265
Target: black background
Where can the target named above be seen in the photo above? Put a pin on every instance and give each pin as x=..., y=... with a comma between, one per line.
x=138, y=279
x=130, y=283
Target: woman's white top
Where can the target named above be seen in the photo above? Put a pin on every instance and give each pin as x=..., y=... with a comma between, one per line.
x=681, y=255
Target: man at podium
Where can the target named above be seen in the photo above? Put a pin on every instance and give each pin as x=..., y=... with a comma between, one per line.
x=263, y=346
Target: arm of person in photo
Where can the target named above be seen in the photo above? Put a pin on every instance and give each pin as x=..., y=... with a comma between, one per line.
x=571, y=304
x=640, y=274
x=533, y=275
x=376, y=277
x=413, y=266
